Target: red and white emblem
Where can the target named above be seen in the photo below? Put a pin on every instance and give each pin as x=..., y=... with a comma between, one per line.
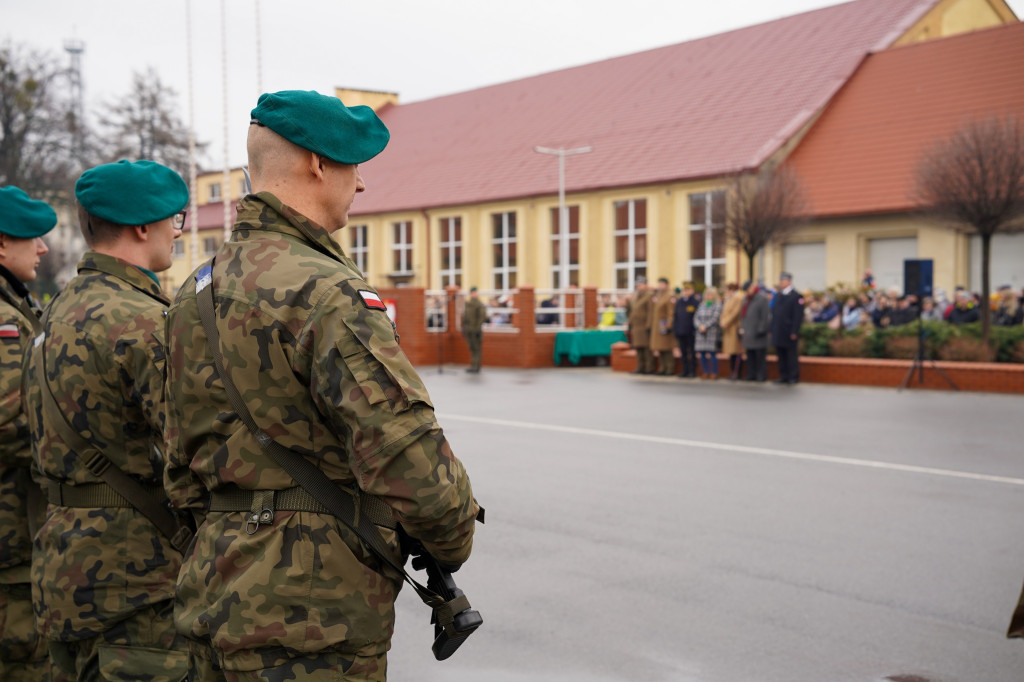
x=9, y=331
x=372, y=300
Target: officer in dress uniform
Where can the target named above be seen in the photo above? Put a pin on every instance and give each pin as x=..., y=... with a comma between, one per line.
x=787, y=316
x=638, y=316
x=103, y=573
x=23, y=222
x=295, y=595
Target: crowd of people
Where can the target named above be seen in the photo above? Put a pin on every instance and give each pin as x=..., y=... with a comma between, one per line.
x=681, y=331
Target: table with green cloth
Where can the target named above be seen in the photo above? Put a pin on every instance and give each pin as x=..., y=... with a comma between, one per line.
x=586, y=343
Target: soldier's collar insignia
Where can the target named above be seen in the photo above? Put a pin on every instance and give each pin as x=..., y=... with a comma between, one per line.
x=9, y=331
x=372, y=300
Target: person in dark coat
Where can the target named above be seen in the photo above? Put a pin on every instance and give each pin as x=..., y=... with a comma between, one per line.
x=683, y=328
x=963, y=311
x=787, y=316
x=755, y=322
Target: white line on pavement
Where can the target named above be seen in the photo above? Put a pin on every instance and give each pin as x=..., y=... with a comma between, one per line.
x=768, y=452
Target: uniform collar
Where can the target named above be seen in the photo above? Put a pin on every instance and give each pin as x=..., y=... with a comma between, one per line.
x=132, y=275
x=13, y=283
x=264, y=211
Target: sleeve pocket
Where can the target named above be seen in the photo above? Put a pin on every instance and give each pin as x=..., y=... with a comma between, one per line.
x=384, y=375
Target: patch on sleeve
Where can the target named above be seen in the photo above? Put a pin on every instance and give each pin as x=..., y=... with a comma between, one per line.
x=372, y=300
x=801, y=301
x=9, y=331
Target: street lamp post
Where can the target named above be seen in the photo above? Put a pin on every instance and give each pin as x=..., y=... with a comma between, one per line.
x=563, y=218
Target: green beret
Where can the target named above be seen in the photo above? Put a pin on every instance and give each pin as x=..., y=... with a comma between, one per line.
x=129, y=193
x=23, y=217
x=323, y=125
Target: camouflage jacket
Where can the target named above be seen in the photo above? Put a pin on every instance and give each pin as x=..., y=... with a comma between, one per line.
x=474, y=316
x=104, y=344
x=19, y=324
x=321, y=372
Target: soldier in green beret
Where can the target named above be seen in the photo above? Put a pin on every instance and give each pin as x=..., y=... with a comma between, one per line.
x=103, y=573
x=473, y=317
x=23, y=222
x=274, y=589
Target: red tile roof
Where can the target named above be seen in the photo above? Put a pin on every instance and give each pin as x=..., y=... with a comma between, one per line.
x=861, y=155
x=703, y=108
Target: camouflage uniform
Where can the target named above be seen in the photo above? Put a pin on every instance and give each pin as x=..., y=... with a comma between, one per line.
x=103, y=578
x=22, y=652
x=473, y=318
x=320, y=369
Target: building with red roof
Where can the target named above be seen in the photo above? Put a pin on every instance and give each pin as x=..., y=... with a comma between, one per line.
x=462, y=197
x=858, y=162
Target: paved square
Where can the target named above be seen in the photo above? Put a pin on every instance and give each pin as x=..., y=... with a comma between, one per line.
x=659, y=529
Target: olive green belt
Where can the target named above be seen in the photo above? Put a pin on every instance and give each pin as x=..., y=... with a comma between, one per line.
x=235, y=499
x=94, y=494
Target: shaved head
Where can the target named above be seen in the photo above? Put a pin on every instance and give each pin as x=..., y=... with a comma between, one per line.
x=272, y=159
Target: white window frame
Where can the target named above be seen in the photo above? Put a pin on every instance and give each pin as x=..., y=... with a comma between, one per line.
x=562, y=271
x=503, y=273
x=214, y=191
x=708, y=227
x=400, y=246
x=207, y=241
x=359, y=249
x=631, y=232
x=450, y=247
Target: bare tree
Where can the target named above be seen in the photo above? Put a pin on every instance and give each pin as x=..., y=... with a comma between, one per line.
x=974, y=179
x=762, y=208
x=36, y=138
x=145, y=124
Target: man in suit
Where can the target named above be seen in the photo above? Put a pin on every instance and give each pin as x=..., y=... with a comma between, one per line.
x=685, y=332
x=787, y=316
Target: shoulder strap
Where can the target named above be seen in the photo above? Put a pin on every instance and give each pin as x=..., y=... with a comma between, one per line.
x=306, y=474
x=99, y=465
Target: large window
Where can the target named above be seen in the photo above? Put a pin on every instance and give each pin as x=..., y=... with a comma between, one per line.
x=630, y=242
x=401, y=247
x=451, y=252
x=707, y=238
x=565, y=249
x=210, y=245
x=358, y=249
x=215, y=191
x=503, y=245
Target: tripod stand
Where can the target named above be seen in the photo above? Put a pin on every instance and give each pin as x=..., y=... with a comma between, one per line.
x=918, y=363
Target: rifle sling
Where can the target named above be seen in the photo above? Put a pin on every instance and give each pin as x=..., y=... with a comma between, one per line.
x=325, y=491
x=99, y=465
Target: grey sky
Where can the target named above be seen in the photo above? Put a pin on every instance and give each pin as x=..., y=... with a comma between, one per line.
x=417, y=49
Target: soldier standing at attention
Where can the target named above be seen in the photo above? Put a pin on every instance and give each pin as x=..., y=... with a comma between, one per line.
x=662, y=340
x=639, y=319
x=787, y=316
x=295, y=595
x=23, y=222
x=473, y=318
x=103, y=574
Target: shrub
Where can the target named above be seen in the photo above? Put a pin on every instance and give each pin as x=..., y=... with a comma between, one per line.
x=967, y=349
x=901, y=347
x=1016, y=352
x=814, y=339
x=849, y=346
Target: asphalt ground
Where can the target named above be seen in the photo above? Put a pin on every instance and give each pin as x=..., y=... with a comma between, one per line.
x=643, y=528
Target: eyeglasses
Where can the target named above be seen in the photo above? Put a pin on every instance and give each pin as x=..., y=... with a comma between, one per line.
x=179, y=220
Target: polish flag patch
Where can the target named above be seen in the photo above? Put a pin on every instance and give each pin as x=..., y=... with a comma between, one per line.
x=9, y=331
x=372, y=300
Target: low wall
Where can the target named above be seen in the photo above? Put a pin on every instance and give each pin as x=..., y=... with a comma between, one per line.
x=967, y=376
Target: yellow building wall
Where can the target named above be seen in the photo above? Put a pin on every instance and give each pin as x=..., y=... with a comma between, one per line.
x=950, y=17
x=847, y=248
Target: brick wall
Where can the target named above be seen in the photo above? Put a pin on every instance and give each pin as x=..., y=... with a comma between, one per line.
x=968, y=376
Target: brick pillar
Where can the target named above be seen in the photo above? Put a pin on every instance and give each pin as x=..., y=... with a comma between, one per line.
x=572, y=297
x=453, y=337
x=591, y=312
x=525, y=320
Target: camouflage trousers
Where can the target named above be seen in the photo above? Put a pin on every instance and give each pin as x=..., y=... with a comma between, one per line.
x=144, y=646
x=326, y=667
x=22, y=652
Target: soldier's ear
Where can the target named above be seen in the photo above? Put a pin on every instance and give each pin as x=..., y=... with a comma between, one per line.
x=142, y=232
x=316, y=166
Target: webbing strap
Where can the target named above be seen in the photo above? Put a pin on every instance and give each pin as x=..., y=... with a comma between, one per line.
x=234, y=499
x=305, y=473
x=149, y=505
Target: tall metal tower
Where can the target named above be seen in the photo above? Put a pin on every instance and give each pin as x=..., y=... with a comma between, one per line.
x=75, y=48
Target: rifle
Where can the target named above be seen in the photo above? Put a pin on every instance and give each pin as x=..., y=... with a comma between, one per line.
x=464, y=620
